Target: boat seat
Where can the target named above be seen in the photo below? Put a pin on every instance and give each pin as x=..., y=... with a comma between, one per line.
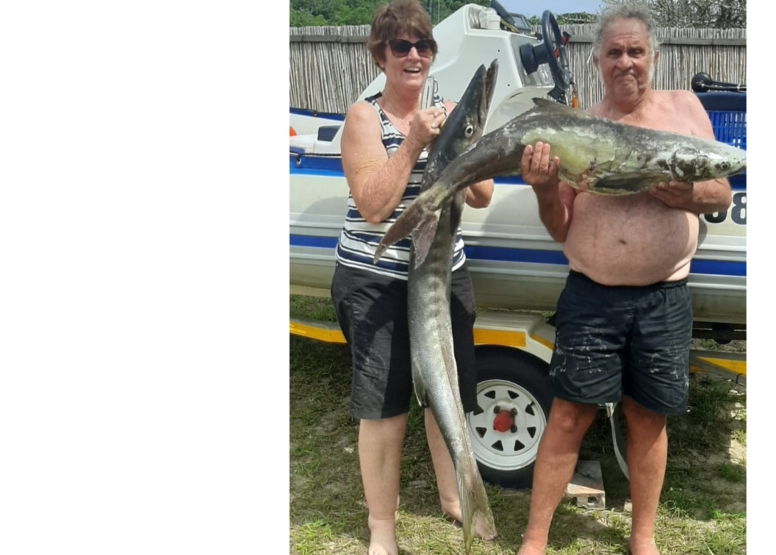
x=327, y=132
x=723, y=101
x=727, y=113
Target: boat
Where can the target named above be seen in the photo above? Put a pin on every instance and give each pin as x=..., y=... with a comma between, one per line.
x=517, y=269
x=514, y=262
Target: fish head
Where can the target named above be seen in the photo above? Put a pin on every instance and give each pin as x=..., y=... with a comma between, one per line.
x=727, y=161
x=467, y=121
x=471, y=113
x=714, y=160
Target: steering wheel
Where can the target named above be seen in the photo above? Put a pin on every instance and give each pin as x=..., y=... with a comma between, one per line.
x=559, y=67
x=502, y=13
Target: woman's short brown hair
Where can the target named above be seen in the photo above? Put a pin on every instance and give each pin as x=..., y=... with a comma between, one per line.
x=393, y=19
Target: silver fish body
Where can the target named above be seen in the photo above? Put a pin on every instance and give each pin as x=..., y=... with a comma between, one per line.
x=434, y=369
x=603, y=156
x=609, y=157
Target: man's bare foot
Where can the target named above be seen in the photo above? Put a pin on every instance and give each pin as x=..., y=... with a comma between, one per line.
x=481, y=529
x=529, y=547
x=642, y=547
x=382, y=540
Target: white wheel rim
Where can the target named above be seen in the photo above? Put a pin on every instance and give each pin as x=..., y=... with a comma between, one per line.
x=508, y=450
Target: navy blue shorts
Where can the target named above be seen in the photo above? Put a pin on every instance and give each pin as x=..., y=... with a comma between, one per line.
x=615, y=341
x=372, y=312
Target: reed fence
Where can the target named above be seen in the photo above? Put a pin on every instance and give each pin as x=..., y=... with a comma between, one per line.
x=330, y=66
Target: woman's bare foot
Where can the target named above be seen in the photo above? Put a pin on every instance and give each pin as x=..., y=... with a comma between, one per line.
x=642, y=547
x=382, y=540
x=481, y=529
x=529, y=547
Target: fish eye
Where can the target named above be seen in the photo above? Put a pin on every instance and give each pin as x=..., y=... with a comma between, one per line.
x=725, y=165
x=468, y=131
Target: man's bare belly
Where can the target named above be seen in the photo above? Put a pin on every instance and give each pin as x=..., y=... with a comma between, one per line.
x=630, y=240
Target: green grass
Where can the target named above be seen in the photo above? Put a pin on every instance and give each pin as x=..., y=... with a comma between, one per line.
x=313, y=308
x=702, y=507
x=732, y=472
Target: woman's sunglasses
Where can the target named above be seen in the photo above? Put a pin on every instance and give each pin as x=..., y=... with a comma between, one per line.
x=400, y=47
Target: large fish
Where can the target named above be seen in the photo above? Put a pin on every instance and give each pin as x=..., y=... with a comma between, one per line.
x=434, y=370
x=606, y=157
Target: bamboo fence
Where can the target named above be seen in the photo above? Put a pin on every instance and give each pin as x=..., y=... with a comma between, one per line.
x=330, y=66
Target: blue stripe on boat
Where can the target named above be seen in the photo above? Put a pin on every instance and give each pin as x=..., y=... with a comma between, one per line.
x=316, y=242
x=316, y=114
x=711, y=267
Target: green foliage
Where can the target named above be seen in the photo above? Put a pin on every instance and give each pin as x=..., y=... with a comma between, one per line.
x=331, y=12
x=440, y=9
x=360, y=12
x=667, y=13
x=719, y=14
x=306, y=19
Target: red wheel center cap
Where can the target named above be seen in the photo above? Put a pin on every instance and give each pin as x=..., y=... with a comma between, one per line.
x=503, y=421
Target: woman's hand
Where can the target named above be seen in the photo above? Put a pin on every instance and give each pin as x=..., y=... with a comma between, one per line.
x=426, y=125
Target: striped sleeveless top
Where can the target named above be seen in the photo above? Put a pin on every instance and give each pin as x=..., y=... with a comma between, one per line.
x=358, y=239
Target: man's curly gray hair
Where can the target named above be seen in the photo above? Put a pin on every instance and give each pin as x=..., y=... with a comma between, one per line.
x=625, y=11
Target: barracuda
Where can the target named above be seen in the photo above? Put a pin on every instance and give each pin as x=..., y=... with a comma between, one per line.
x=597, y=155
x=434, y=370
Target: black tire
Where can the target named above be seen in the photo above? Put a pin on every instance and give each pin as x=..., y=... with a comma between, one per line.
x=509, y=379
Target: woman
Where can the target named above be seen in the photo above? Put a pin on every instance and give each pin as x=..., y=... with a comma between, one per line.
x=385, y=143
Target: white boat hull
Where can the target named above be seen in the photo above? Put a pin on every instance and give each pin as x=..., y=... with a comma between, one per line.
x=513, y=261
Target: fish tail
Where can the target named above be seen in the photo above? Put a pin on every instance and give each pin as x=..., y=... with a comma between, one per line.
x=417, y=220
x=474, y=501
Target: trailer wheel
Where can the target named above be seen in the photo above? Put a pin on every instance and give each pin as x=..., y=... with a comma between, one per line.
x=514, y=400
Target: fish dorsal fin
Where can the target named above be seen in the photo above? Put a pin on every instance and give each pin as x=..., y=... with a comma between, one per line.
x=546, y=104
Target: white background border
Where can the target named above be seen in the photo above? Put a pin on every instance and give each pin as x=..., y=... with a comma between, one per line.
x=143, y=243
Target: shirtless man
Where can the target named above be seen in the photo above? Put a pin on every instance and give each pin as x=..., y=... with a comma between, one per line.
x=621, y=343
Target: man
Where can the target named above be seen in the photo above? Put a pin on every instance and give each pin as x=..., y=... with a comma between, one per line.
x=624, y=319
